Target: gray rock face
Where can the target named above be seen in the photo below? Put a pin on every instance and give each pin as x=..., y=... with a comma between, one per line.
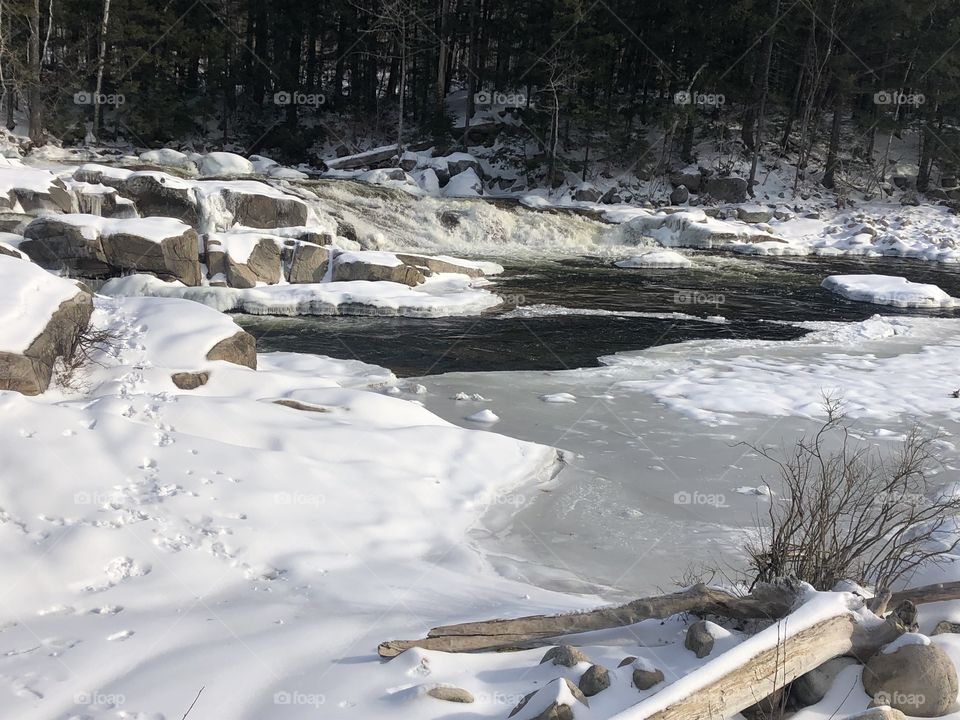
x=436, y=265
x=173, y=258
x=946, y=627
x=30, y=372
x=594, y=680
x=56, y=198
x=698, y=639
x=811, y=688
x=155, y=197
x=239, y=349
x=265, y=211
x=612, y=197
x=309, y=264
x=9, y=251
x=646, y=679
x=587, y=194
x=555, y=711
x=679, y=196
x=455, y=167
x=405, y=274
x=64, y=246
x=105, y=204
x=728, y=189
x=565, y=655
x=190, y=380
x=919, y=680
x=450, y=694
x=754, y=214
x=14, y=222
x=690, y=180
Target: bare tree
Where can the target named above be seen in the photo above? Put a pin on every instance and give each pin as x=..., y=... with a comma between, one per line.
x=852, y=513
x=561, y=75
x=101, y=60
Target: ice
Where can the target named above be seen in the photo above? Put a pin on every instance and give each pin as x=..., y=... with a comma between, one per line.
x=663, y=259
x=889, y=290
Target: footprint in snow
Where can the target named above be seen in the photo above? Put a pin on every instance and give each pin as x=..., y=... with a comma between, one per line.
x=27, y=434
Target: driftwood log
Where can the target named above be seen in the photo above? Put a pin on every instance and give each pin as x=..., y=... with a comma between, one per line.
x=766, y=602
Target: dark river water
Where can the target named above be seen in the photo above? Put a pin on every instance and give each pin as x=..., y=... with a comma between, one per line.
x=528, y=334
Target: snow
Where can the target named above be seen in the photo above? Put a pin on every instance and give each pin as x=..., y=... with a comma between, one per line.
x=484, y=416
x=546, y=310
x=559, y=398
x=905, y=640
x=30, y=296
x=369, y=257
x=441, y=295
x=167, y=157
x=465, y=184
x=889, y=290
x=14, y=174
x=154, y=229
x=224, y=163
x=656, y=259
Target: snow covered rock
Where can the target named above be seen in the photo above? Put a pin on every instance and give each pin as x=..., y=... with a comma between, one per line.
x=254, y=204
x=585, y=192
x=220, y=164
x=811, y=688
x=441, y=264
x=663, y=259
x=10, y=251
x=754, y=214
x=244, y=260
x=160, y=195
x=888, y=290
x=565, y=655
x=690, y=178
x=40, y=318
x=372, y=265
x=728, y=189
x=466, y=184
x=239, y=349
x=97, y=199
x=557, y=700
x=167, y=157
x=917, y=678
x=93, y=246
x=31, y=190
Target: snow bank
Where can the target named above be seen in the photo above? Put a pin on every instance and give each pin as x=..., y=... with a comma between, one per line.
x=440, y=296
x=889, y=290
x=661, y=259
x=224, y=163
x=30, y=296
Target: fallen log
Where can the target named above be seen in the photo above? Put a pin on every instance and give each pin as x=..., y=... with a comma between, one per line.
x=766, y=602
x=767, y=662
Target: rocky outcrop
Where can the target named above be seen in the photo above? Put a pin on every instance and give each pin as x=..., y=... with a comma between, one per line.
x=374, y=267
x=438, y=265
x=89, y=248
x=267, y=208
x=689, y=179
x=239, y=349
x=160, y=195
x=55, y=198
x=260, y=263
x=559, y=699
x=917, y=677
x=30, y=372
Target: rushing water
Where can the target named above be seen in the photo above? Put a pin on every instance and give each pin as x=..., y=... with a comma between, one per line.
x=539, y=328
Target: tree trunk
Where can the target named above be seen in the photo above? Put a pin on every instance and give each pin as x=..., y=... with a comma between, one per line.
x=101, y=61
x=829, y=180
x=764, y=91
x=34, y=102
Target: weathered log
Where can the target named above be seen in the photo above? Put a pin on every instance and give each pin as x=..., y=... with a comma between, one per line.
x=782, y=656
x=768, y=602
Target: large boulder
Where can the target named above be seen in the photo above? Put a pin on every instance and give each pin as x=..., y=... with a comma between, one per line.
x=256, y=205
x=699, y=638
x=243, y=259
x=559, y=699
x=54, y=198
x=564, y=655
x=104, y=201
x=439, y=265
x=679, y=196
x=690, y=179
x=372, y=265
x=812, y=687
x=40, y=321
x=594, y=680
x=161, y=195
x=308, y=263
x=912, y=675
x=239, y=349
x=727, y=189
x=92, y=246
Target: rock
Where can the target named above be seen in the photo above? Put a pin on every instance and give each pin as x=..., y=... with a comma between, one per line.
x=612, y=197
x=59, y=245
x=904, y=182
x=910, y=197
x=627, y=661
x=946, y=627
x=754, y=214
x=309, y=264
x=916, y=678
x=190, y=380
x=160, y=195
x=269, y=209
x=408, y=161
x=264, y=262
x=883, y=712
x=30, y=371
x=698, y=639
x=557, y=700
x=595, y=679
x=13, y=222
x=103, y=201
x=450, y=694
x=239, y=349
x=687, y=178
x=565, y=655
x=679, y=196
x=644, y=679
x=10, y=251
x=462, y=162
x=56, y=198
x=587, y=193
x=771, y=707
x=365, y=266
x=297, y=405
x=811, y=688
x=436, y=265
x=175, y=257
x=728, y=189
